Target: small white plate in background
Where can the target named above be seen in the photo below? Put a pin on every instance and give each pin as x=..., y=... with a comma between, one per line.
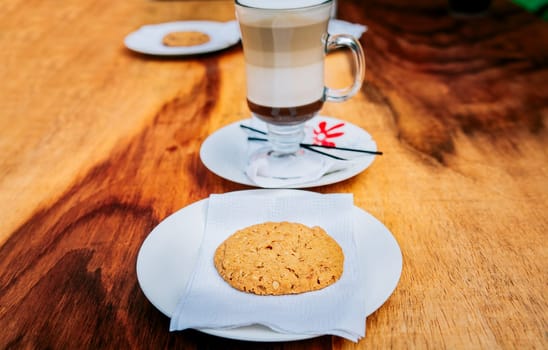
x=148, y=38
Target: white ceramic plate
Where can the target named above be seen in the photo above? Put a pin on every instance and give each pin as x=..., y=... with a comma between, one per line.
x=148, y=38
x=225, y=152
x=167, y=256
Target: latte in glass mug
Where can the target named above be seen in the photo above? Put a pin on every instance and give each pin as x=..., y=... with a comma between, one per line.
x=284, y=49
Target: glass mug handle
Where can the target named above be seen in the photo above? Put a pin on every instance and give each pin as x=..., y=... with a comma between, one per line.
x=337, y=41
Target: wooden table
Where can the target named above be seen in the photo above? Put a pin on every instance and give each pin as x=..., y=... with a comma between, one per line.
x=99, y=144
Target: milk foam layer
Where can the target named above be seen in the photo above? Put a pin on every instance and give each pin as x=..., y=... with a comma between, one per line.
x=285, y=87
x=280, y=4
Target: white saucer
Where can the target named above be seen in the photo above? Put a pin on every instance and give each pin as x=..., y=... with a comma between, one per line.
x=225, y=152
x=167, y=256
x=148, y=38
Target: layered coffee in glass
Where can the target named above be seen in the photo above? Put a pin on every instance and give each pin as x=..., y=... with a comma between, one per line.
x=285, y=43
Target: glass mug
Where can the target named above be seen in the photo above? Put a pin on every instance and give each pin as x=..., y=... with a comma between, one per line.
x=285, y=43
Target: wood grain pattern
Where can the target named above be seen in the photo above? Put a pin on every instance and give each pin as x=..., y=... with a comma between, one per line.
x=446, y=76
x=99, y=144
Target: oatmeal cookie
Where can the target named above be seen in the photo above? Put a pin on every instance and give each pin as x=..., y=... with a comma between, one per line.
x=276, y=258
x=185, y=38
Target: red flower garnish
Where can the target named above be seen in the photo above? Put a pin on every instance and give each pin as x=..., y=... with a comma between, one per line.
x=322, y=135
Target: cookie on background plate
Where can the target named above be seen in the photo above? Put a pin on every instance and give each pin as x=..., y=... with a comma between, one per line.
x=184, y=38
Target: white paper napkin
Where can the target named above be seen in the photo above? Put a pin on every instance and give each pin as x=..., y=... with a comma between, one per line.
x=337, y=26
x=286, y=172
x=209, y=302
